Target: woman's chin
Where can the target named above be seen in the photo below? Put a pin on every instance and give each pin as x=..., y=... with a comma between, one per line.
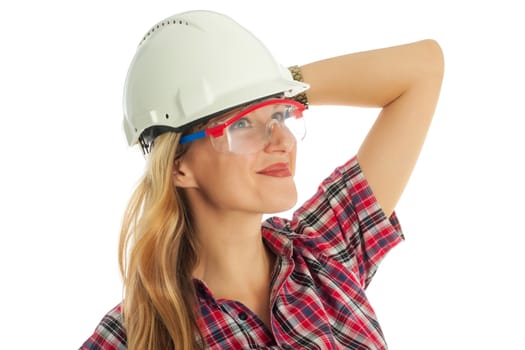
x=282, y=202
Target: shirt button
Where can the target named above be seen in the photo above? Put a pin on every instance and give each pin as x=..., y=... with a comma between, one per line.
x=286, y=346
x=243, y=316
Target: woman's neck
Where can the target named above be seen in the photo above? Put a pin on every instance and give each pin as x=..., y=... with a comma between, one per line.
x=233, y=260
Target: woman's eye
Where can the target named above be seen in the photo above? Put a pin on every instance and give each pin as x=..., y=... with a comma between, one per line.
x=241, y=124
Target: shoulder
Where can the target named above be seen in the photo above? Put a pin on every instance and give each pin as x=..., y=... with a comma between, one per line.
x=110, y=333
x=345, y=222
x=339, y=197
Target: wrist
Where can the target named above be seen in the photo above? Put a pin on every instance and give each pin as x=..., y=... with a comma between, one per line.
x=298, y=76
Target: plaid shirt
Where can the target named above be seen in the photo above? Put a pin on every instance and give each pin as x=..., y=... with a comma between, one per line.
x=326, y=257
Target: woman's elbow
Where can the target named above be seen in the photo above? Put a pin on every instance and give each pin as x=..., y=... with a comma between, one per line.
x=434, y=58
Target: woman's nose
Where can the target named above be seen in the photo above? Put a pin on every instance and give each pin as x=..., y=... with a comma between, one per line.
x=279, y=137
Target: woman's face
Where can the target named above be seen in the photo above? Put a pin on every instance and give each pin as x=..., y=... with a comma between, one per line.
x=260, y=182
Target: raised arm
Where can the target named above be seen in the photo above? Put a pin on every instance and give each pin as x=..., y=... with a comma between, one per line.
x=405, y=82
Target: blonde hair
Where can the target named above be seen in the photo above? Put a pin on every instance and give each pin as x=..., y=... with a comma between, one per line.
x=157, y=256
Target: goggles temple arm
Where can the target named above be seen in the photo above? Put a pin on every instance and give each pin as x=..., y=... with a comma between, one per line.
x=192, y=137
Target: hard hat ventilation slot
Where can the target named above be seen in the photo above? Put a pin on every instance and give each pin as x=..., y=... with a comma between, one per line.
x=162, y=24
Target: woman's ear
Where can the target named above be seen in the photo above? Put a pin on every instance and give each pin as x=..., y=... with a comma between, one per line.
x=182, y=175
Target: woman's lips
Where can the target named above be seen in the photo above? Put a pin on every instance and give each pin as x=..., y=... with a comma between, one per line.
x=276, y=170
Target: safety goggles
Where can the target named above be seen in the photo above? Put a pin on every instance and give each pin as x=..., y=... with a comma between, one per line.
x=251, y=129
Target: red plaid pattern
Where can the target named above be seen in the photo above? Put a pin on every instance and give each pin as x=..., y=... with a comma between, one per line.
x=327, y=255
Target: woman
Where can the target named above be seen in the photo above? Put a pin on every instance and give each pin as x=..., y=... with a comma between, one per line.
x=213, y=112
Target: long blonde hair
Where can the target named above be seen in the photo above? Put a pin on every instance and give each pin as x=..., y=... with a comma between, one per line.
x=157, y=256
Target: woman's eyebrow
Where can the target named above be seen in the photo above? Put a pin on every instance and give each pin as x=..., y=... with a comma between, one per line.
x=223, y=117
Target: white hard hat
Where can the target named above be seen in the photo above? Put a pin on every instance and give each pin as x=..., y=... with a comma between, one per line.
x=193, y=65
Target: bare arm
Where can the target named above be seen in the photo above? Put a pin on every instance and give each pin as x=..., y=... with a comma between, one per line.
x=405, y=82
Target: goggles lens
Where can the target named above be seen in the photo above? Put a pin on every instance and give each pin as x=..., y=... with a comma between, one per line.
x=252, y=129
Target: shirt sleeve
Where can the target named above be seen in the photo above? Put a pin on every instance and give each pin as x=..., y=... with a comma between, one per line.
x=344, y=221
x=109, y=334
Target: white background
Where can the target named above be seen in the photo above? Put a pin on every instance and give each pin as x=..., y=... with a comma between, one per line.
x=456, y=283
